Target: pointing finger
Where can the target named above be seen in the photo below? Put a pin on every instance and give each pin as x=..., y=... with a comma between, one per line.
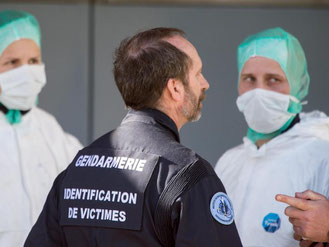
x=292, y=201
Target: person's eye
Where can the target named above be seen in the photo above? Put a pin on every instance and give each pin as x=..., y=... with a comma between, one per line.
x=34, y=61
x=274, y=80
x=249, y=79
x=12, y=62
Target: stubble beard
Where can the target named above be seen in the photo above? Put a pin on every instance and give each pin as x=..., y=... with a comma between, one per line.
x=191, y=108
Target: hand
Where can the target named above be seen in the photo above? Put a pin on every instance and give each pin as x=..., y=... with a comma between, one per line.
x=309, y=214
x=307, y=243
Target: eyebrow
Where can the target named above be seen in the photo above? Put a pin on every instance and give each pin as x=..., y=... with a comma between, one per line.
x=267, y=74
x=246, y=74
x=10, y=58
x=271, y=74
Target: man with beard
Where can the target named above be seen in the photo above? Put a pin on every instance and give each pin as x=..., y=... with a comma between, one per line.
x=137, y=185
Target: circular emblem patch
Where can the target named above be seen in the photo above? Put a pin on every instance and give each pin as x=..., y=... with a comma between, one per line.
x=271, y=222
x=221, y=208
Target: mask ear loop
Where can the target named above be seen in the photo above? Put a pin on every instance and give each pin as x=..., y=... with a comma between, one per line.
x=297, y=102
x=294, y=99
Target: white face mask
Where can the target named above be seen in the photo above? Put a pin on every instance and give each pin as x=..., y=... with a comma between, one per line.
x=20, y=87
x=265, y=111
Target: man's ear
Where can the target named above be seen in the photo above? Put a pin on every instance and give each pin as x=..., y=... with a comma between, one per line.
x=175, y=89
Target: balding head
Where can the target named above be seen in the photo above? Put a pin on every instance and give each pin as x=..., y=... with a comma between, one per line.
x=145, y=62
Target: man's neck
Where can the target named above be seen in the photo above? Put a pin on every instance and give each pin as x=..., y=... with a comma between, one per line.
x=174, y=114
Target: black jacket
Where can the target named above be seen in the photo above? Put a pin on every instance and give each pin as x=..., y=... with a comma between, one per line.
x=136, y=186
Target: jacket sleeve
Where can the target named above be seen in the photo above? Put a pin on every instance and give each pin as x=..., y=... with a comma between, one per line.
x=193, y=222
x=47, y=232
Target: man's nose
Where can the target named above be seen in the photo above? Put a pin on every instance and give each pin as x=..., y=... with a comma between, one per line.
x=205, y=84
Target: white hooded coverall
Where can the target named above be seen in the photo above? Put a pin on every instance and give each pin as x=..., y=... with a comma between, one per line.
x=32, y=154
x=294, y=161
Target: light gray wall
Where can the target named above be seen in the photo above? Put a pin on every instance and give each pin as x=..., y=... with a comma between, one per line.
x=215, y=31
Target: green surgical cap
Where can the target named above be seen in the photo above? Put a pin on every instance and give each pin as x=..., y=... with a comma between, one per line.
x=277, y=44
x=15, y=25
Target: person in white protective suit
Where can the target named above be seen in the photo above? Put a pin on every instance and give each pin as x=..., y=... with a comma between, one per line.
x=285, y=150
x=33, y=147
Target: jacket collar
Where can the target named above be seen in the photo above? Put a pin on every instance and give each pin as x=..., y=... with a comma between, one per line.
x=152, y=116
